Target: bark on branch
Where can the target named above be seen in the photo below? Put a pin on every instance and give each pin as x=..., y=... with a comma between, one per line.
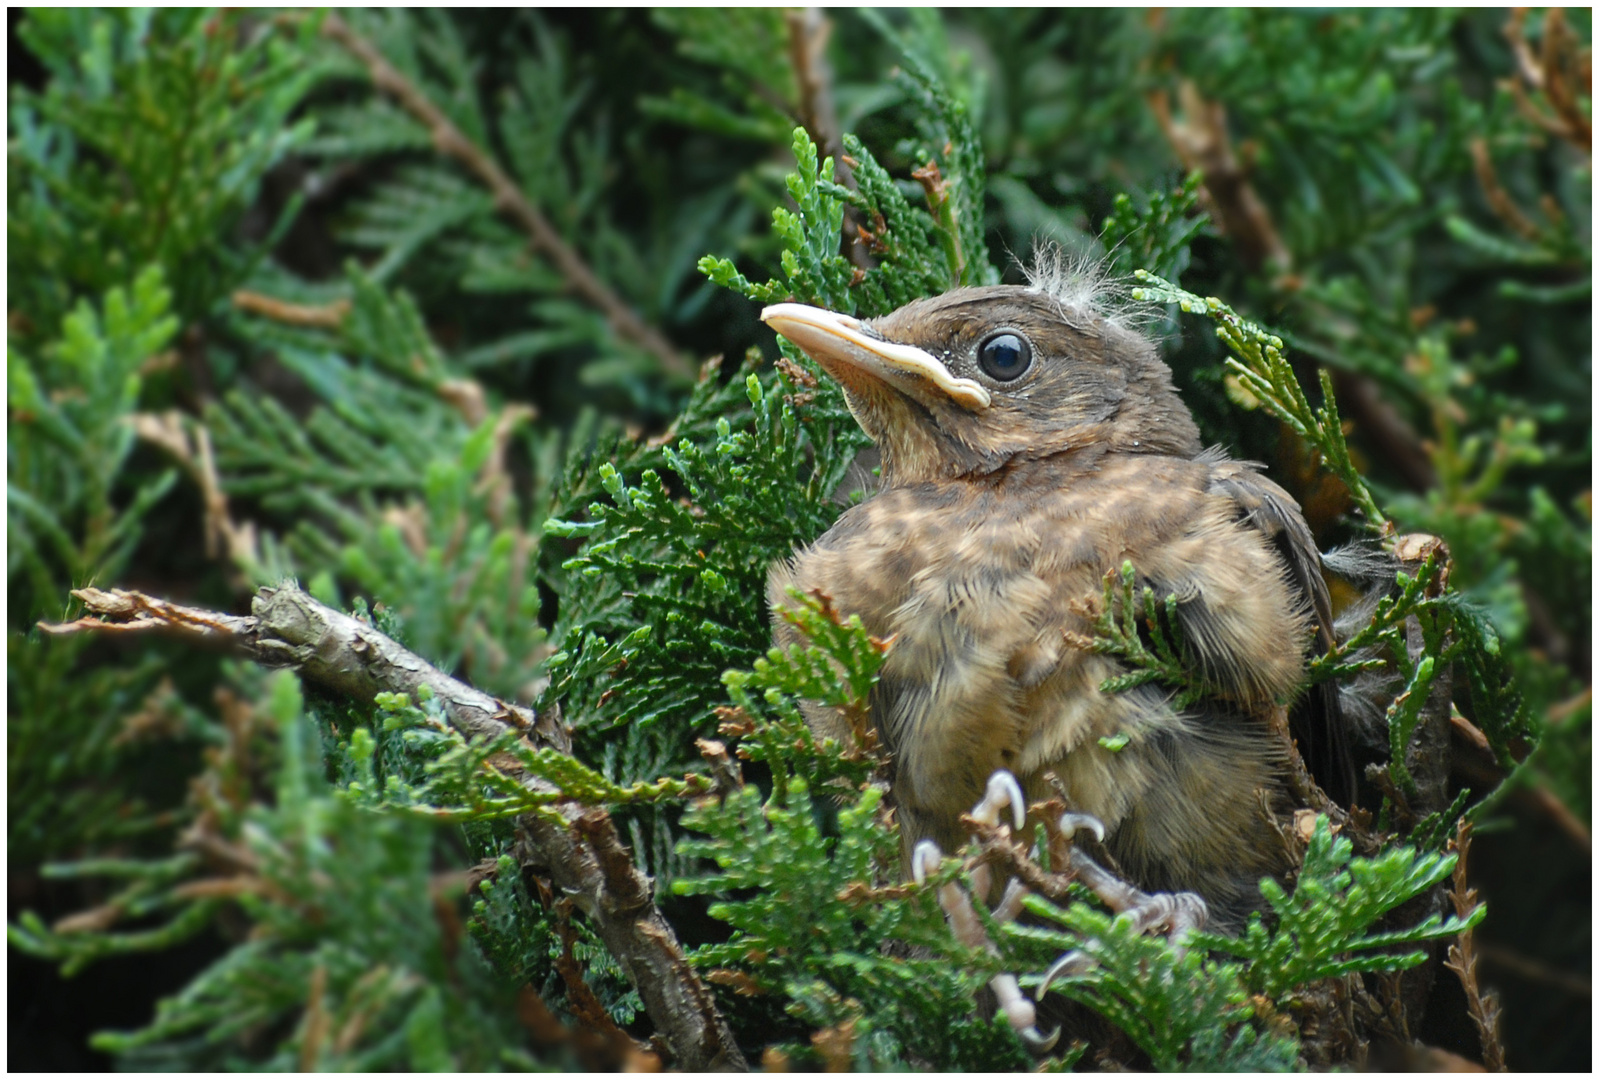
x=584, y=856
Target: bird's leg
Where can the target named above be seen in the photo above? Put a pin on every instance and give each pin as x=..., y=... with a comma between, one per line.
x=1002, y=791
x=1018, y=1009
x=1179, y=912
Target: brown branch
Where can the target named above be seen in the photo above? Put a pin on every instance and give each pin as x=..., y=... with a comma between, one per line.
x=606, y=1045
x=1526, y=65
x=1526, y=967
x=314, y=1030
x=1202, y=143
x=1471, y=733
x=537, y=1018
x=171, y=432
x=466, y=395
x=508, y=198
x=1354, y=825
x=1549, y=804
x=808, y=33
x=1492, y=190
x=579, y=847
x=1486, y=775
x=1483, y=1007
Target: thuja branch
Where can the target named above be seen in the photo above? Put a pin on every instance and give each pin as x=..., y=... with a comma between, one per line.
x=1201, y=140
x=577, y=846
x=509, y=198
x=1262, y=369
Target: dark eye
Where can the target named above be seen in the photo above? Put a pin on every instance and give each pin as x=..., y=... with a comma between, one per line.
x=1004, y=356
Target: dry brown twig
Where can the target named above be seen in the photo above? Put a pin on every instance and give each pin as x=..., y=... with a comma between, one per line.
x=1526, y=967
x=508, y=199
x=314, y=1026
x=1486, y=775
x=1560, y=73
x=613, y=1046
x=171, y=431
x=1483, y=1007
x=319, y=317
x=579, y=848
x=1202, y=142
x=808, y=31
x=466, y=396
x=1498, y=199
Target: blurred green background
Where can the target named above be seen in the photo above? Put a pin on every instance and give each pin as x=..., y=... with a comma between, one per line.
x=1404, y=196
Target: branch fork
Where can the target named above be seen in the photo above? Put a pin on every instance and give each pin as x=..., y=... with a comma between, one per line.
x=578, y=847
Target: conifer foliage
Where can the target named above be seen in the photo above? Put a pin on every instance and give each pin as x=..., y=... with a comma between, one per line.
x=451, y=317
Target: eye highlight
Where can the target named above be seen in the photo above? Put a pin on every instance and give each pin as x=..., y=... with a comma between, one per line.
x=1005, y=356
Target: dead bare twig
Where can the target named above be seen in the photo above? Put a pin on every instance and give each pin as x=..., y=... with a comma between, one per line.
x=1494, y=192
x=608, y=1046
x=1525, y=967
x=1560, y=73
x=1202, y=142
x=1486, y=776
x=808, y=31
x=171, y=431
x=320, y=317
x=579, y=849
x=1483, y=1007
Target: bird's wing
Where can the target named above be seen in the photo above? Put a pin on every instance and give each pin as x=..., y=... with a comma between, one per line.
x=1272, y=512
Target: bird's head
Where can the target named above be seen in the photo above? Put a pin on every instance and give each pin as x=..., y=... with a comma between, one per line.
x=966, y=383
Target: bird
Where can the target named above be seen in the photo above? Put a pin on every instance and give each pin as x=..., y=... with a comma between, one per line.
x=1032, y=440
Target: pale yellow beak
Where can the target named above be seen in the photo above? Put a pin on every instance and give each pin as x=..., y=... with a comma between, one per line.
x=832, y=339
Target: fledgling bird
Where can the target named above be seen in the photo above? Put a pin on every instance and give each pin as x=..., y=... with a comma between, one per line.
x=1030, y=444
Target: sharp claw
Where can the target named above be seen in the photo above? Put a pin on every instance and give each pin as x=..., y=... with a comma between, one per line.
x=926, y=853
x=1039, y=1044
x=1002, y=789
x=1073, y=963
x=1010, y=905
x=1180, y=913
x=1070, y=823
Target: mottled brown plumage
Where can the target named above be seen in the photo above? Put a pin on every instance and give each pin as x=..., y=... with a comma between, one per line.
x=1008, y=491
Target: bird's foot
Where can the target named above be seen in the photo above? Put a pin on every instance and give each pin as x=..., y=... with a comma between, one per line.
x=1014, y=1005
x=1003, y=791
x=1180, y=913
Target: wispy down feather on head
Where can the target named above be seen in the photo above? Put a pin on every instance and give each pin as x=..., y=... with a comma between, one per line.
x=1084, y=288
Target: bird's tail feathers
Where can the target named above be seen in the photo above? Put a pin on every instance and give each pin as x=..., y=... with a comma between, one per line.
x=1364, y=698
